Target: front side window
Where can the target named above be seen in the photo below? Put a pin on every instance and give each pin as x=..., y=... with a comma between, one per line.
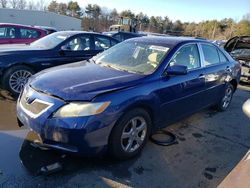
x=187, y=56
x=28, y=33
x=81, y=43
x=211, y=55
x=7, y=32
x=136, y=57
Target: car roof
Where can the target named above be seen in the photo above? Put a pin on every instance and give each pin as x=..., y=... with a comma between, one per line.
x=45, y=27
x=167, y=41
x=71, y=33
x=79, y=32
x=111, y=33
x=20, y=25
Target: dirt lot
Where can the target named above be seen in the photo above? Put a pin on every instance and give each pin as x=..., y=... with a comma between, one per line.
x=209, y=145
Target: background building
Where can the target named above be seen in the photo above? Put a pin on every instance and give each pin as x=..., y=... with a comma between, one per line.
x=40, y=18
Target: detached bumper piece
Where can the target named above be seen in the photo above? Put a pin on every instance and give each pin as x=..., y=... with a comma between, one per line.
x=245, y=72
x=239, y=176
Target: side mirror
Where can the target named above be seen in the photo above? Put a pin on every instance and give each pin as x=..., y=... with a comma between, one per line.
x=246, y=108
x=176, y=70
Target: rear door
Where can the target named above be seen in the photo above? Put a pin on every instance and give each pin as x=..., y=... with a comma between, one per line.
x=183, y=94
x=217, y=68
x=74, y=49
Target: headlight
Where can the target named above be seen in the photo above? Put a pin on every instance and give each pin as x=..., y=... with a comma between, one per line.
x=77, y=109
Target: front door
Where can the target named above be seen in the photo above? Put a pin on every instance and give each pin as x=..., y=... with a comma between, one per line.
x=181, y=95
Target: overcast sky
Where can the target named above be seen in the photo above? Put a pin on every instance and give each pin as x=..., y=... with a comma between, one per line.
x=184, y=10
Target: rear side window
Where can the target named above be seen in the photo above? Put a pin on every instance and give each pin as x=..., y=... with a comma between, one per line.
x=118, y=37
x=7, y=32
x=128, y=36
x=102, y=43
x=29, y=33
x=113, y=42
x=222, y=57
x=211, y=55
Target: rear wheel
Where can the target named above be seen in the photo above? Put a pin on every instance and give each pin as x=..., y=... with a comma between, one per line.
x=16, y=77
x=226, y=99
x=130, y=134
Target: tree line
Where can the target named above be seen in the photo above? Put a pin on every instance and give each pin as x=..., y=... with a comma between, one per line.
x=99, y=19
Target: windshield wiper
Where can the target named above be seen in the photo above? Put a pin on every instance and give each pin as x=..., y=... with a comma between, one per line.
x=91, y=60
x=123, y=70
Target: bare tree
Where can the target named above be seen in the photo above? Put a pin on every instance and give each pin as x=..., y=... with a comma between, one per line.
x=41, y=5
x=246, y=16
x=14, y=3
x=3, y=3
x=53, y=6
x=31, y=5
x=21, y=4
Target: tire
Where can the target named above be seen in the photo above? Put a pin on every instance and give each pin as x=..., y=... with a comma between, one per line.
x=226, y=99
x=11, y=76
x=124, y=126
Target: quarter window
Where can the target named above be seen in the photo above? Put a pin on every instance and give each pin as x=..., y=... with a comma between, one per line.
x=222, y=57
x=113, y=42
x=211, y=55
x=187, y=56
x=118, y=37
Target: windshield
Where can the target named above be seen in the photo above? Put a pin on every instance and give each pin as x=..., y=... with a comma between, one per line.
x=50, y=41
x=130, y=56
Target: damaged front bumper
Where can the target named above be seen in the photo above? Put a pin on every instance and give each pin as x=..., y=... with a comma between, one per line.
x=83, y=135
x=245, y=71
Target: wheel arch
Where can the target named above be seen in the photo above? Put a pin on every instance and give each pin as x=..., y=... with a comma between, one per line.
x=234, y=84
x=141, y=105
x=18, y=64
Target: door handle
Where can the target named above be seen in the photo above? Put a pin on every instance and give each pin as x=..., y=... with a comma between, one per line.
x=228, y=69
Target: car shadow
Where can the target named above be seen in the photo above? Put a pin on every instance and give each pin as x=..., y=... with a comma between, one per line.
x=43, y=161
x=209, y=146
x=5, y=95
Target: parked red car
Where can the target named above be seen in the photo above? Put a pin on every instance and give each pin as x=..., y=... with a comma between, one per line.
x=19, y=34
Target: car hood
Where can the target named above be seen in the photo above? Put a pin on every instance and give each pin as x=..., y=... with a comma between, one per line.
x=16, y=48
x=242, y=42
x=82, y=81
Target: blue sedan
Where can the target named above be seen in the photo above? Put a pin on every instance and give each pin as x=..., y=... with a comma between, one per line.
x=114, y=101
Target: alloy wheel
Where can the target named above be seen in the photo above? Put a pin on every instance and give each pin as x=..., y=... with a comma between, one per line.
x=133, y=135
x=228, y=97
x=18, y=79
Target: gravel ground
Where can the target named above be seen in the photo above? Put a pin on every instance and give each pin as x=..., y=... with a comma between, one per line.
x=209, y=145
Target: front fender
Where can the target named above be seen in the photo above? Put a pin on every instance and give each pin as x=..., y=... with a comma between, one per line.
x=143, y=96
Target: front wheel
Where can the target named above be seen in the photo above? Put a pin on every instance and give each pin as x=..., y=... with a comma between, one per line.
x=16, y=77
x=226, y=99
x=130, y=134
